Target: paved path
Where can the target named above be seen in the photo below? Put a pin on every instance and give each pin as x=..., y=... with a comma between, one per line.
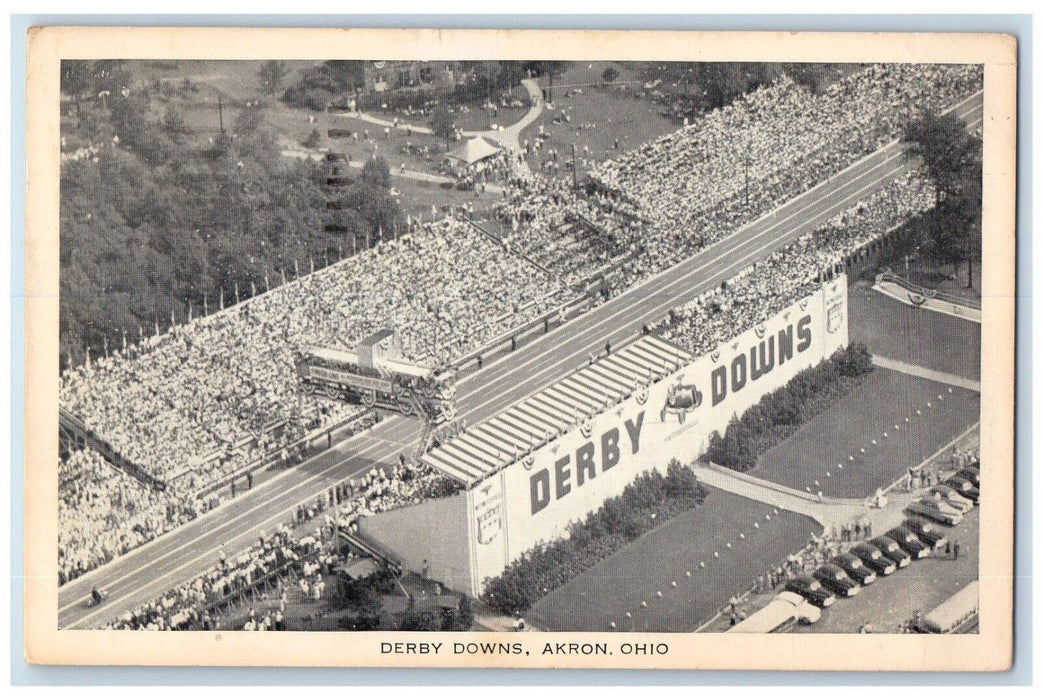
x=932, y=374
x=176, y=557
x=508, y=136
x=943, y=307
x=395, y=172
x=828, y=511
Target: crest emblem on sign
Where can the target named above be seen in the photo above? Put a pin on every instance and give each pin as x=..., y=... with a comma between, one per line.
x=834, y=317
x=803, y=304
x=642, y=396
x=490, y=522
x=586, y=428
x=735, y=345
x=759, y=330
x=528, y=460
x=785, y=316
x=715, y=355
x=681, y=400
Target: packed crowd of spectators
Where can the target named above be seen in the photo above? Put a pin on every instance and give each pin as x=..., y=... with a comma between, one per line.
x=295, y=554
x=208, y=397
x=204, y=387
x=794, y=271
x=383, y=489
x=103, y=513
x=781, y=140
x=195, y=605
x=572, y=234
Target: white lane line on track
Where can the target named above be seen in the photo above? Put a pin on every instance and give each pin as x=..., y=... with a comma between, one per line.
x=223, y=525
x=590, y=329
x=736, y=245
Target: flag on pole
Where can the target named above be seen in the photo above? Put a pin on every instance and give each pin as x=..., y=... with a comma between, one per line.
x=253, y=288
x=206, y=308
x=124, y=339
x=283, y=273
x=190, y=312
x=296, y=270
x=311, y=262
x=105, y=341
x=222, y=298
x=237, y=291
x=267, y=286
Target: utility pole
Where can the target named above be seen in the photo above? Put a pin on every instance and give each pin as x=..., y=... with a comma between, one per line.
x=747, y=170
x=221, y=114
x=575, y=182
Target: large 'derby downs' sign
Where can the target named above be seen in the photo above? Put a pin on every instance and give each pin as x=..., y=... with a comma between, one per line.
x=537, y=497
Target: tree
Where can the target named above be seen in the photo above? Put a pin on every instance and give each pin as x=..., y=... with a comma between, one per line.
x=376, y=173
x=423, y=621
x=610, y=74
x=271, y=76
x=313, y=139
x=174, y=123
x=952, y=161
x=442, y=126
x=466, y=613
x=75, y=81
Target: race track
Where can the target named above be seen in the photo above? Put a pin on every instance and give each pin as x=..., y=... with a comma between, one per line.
x=177, y=556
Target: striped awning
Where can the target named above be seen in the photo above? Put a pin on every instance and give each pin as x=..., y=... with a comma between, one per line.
x=496, y=443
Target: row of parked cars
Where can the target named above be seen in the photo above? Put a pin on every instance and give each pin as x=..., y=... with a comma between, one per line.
x=915, y=538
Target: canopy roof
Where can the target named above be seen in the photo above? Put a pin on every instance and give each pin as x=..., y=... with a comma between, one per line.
x=475, y=149
x=493, y=444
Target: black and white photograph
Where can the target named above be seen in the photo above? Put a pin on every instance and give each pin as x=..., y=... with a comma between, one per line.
x=655, y=349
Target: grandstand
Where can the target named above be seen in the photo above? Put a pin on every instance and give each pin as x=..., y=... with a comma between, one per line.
x=197, y=405
x=559, y=454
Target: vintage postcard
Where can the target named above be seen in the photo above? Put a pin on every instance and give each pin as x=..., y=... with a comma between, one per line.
x=520, y=349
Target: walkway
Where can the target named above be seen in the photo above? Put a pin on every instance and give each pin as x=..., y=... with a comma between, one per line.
x=924, y=373
x=828, y=511
x=949, y=308
x=510, y=136
x=304, y=154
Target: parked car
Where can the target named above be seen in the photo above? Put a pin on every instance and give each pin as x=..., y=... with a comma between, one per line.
x=964, y=487
x=936, y=510
x=971, y=474
x=855, y=568
x=927, y=532
x=812, y=590
x=908, y=541
x=952, y=498
x=836, y=579
x=892, y=550
x=874, y=559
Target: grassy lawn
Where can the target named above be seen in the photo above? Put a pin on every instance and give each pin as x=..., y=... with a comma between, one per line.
x=917, y=336
x=606, y=591
x=884, y=400
x=478, y=119
x=617, y=114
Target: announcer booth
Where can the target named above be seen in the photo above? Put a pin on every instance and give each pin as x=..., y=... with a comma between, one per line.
x=558, y=455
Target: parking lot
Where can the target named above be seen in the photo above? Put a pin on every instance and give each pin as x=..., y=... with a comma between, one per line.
x=923, y=585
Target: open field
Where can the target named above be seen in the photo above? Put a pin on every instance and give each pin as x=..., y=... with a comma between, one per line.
x=913, y=335
x=884, y=400
x=616, y=114
x=606, y=591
